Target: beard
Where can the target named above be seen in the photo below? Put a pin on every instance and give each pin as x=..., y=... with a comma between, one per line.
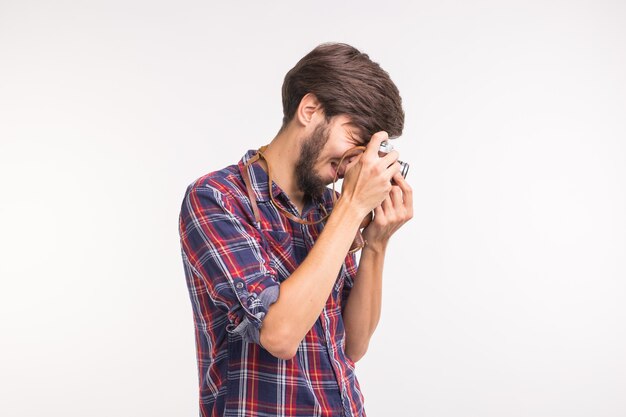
x=309, y=181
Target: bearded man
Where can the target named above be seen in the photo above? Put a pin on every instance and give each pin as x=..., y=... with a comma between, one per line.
x=282, y=308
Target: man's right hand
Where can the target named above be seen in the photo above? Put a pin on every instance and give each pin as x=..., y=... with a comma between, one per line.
x=367, y=180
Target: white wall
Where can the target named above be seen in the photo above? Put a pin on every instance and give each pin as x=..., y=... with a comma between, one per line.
x=505, y=295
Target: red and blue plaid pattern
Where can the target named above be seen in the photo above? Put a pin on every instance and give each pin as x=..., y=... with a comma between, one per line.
x=234, y=268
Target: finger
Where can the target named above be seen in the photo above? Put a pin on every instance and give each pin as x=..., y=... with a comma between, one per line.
x=390, y=158
x=393, y=170
x=396, y=197
x=407, y=192
x=387, y=205
x=379, y=214
x=374, y=144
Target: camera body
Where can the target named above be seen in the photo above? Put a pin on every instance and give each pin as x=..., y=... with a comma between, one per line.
x=386, y=147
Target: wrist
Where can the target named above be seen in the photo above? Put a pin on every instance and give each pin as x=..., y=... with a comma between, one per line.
x=347, y=215
x=349, y=205
x=375, y=248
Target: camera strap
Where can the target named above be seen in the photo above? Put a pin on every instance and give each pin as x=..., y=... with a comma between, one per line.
x=358, y=242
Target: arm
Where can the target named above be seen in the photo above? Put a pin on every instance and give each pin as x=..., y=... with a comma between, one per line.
x=362, y=310
x=363, y=305
x=303, y=296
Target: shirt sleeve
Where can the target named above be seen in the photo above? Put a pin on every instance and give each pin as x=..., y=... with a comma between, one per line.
x=225, y=251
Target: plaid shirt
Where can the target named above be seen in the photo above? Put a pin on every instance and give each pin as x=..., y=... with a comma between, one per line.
x=234, y=268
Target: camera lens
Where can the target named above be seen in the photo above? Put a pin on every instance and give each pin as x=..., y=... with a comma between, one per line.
x=405, y=168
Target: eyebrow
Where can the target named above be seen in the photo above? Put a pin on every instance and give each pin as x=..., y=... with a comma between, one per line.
x=358, y=135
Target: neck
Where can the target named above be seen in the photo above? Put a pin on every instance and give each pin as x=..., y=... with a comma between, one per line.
x=282, y=155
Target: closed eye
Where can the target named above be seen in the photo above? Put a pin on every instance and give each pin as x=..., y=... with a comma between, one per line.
x=354, y=133
x=356, y=139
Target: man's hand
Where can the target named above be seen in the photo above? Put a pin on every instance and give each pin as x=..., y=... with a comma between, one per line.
x=395, y=210
x=367, y=181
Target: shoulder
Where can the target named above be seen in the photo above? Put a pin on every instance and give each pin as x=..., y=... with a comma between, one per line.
x=223, y=189
x=225, y=183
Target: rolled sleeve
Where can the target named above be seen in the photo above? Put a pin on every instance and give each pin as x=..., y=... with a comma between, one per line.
x=225, y=251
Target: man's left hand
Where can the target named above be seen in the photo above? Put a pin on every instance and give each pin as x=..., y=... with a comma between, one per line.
x=395, y=210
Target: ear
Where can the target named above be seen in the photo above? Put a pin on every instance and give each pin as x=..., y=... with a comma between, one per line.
x=309, y=111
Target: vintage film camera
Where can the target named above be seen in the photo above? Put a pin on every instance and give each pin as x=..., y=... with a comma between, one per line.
x=386, y=147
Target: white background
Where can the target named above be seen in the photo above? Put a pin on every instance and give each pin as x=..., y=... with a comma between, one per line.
x=504, y=296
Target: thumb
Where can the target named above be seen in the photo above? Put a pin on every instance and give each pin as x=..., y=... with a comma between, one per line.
x=374, y=143
x=352, y=162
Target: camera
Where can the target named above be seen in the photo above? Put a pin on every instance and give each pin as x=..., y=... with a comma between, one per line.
x=386, y=147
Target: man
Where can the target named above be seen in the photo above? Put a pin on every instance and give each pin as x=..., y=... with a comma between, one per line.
x=282, y=310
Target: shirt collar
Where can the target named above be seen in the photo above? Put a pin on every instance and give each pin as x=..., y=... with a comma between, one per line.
x=259, y=178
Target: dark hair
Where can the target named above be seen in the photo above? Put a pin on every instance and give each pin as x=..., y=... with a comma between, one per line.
x=345, y=81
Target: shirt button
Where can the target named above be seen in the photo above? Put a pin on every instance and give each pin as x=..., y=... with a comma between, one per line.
x=239, y=285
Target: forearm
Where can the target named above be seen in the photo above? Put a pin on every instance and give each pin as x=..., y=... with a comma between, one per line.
x=362, y=310
x=304, y=294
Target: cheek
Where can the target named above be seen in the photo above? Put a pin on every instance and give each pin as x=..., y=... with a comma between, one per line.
x=320, y=164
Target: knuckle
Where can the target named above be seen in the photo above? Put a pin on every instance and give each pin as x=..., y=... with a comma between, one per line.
x=381, y=134
x=368, y=159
